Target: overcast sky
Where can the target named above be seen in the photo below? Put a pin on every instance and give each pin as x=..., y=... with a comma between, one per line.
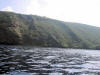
x=81, y=11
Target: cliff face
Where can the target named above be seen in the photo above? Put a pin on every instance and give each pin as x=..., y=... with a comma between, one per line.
x=19, y=29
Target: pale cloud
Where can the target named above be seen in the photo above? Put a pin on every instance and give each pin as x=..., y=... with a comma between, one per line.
x=35, y=7
x=82, y=11
x=8, y=8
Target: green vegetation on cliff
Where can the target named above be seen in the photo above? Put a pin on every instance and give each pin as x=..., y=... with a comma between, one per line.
x=19, y=29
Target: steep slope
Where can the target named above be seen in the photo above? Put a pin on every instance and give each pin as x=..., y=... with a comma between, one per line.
x=88, y=34
x=41, y=31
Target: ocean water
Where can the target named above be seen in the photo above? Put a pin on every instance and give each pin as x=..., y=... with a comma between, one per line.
x=21, y=60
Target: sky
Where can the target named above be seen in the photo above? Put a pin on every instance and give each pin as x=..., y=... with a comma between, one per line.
x=81, y=11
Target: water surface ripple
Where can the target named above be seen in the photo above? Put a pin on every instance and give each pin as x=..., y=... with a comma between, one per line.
x=17, y=60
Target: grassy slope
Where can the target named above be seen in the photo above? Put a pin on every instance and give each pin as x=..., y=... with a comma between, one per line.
x=41, y=31
x=88, y=34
